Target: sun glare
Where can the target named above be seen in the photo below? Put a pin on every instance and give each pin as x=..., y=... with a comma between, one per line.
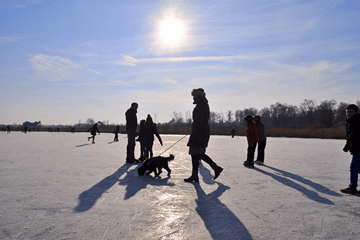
x=171, y=31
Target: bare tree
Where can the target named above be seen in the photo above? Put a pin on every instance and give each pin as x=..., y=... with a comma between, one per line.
x=326, y=113
x=229, y=115
x=90, y=121
x=340, y=114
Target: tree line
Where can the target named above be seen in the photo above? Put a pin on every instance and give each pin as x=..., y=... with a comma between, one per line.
x=309, y=114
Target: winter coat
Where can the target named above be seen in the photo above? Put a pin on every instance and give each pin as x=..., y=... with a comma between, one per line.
x=93, y=130
x=149, y=129
x=251, y=134
x=131, y=119
x=353, y=134
x=260, y=131
x=200, y=129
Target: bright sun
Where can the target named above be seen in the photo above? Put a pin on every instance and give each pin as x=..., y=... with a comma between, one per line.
x=171, y=31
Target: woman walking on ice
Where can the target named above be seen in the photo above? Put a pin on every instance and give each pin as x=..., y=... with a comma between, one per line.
x=93, y=131
x=200, y=135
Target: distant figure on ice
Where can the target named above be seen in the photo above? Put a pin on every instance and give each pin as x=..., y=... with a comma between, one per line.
x=131, y=125
x=116, y=132
x=252, y=138
x=150, y=130
x=200, y=135
x=25, y=129
x=93, y=131
x=353, y=145
x=260, y=131
x=142, y=140
x=233, y=131
x=8, y=129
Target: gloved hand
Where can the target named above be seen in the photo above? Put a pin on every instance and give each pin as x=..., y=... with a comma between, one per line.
x=346, y=148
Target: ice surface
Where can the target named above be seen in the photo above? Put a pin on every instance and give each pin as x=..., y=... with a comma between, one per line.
x=60, y=186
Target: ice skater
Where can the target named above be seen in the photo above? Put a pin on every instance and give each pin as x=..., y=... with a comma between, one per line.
x=233, y=131
x=150, y=130
x=116, y=132
x=8, y=129
x=260, y=131
x=200, y=135
x=252, y=139
x=353, y=145
x=93, y=131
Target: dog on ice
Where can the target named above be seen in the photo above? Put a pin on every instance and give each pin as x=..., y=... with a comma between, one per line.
x=155, y=164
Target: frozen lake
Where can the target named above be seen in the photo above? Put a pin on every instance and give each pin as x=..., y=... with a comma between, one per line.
x=60, y=186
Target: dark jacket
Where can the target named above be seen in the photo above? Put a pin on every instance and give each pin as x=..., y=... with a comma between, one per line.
x=260, y=131
x=353, y=134
x=93, y=130
x=251, y=134
x=200, y=130
x=131, y=119
x=149, y=129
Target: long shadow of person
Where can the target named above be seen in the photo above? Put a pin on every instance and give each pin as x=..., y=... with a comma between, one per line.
x=290, y=183
x=218, y=218
x=315, y=186
x=83, y=145
x=135, y=183
x=88, y=198
x=206, y=174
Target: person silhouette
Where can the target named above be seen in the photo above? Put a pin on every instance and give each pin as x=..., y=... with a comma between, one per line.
x=93, y=131
x=116, y=132
x=200, y=135
x=150, y=130
x=131, y=125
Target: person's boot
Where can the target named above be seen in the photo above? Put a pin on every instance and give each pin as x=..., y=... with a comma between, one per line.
x=195, y=169
x=218, y=170
x=213, y=165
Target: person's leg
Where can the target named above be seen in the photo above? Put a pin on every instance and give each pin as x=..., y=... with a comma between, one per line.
x=212, y=164
x=354, y=171
x=261, y=151
x=195, y=159
x=150, y=148
x=130, y=148
x=251, y=153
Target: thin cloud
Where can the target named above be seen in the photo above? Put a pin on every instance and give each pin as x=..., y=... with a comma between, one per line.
x=130, y=61
x=8, y=39
x=56, y=68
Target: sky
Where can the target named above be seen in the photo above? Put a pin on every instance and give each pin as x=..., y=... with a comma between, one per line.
x=64, y=61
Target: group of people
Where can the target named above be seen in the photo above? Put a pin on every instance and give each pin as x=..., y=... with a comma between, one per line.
x=145, y=136
x=198, y=141
x=256, y=136
x=255, y=133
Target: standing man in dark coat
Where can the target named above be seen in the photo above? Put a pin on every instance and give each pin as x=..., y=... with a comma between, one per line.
x=353, y=145
x=200, y=135
x=131, y=125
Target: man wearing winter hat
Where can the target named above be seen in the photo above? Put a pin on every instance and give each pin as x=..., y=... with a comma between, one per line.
x=353, y=145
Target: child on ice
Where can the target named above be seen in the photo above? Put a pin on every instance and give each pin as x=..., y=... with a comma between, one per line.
x=93, y=131
x=252, y=139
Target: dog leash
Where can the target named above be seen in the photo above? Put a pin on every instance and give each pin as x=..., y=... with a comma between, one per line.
x=173, y=145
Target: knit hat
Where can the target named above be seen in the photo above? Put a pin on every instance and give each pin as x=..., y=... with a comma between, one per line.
x=248, y=118
x=257, y=118
x=149, y=118
x=198, y=92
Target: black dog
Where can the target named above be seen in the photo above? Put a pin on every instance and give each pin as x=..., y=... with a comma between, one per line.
x=155, y=165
